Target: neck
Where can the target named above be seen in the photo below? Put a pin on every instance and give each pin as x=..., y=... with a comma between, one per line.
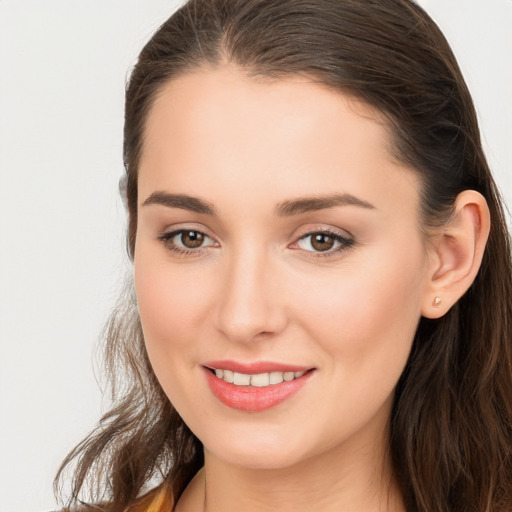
x=346, y=478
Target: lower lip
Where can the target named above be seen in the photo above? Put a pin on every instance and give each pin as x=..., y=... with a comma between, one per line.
x=253, y=399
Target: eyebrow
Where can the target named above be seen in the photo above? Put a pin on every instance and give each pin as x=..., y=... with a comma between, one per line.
x=183, y=201
x=284, y=209
x=308, y=204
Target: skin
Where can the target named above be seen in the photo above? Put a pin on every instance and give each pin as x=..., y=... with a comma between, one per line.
x=257, y=290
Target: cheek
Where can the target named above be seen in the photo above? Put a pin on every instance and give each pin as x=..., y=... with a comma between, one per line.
x=172, y=304
x=366, y=316
x=364, y=320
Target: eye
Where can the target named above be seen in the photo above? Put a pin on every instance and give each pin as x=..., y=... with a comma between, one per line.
x=324, y=242
x=186, y=241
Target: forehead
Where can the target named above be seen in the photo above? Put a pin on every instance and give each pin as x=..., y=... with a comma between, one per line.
x=291, y=135
x=234, y=99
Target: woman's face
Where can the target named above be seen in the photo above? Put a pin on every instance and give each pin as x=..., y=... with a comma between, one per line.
x=276, y=235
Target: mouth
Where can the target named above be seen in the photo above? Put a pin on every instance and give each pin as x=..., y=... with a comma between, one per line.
x=250, y=388
x=258, y=380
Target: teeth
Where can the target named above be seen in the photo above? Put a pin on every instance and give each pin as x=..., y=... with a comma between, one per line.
x=276, y=377
x=259, y=380
x=241, y=379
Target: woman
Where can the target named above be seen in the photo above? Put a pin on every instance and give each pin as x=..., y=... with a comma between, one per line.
x=322, y=274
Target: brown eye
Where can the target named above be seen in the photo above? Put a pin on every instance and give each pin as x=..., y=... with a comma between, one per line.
x=191, y=239
x=186, y=241
x=322, y=242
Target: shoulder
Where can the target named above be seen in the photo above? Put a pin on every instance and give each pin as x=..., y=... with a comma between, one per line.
x=84, y=508
x=87, y=508
x=156, y=500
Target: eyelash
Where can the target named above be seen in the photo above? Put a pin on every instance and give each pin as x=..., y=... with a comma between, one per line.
x=166, y=239
x=344, y=242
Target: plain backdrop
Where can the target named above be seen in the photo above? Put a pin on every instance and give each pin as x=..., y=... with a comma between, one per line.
x=63, y=66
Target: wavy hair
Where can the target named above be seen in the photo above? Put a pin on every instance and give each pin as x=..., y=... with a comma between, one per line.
x=451, y=422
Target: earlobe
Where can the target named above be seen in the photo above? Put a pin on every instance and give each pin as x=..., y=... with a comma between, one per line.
x=456, y=253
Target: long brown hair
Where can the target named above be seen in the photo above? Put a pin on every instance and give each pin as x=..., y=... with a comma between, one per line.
x=451, y=424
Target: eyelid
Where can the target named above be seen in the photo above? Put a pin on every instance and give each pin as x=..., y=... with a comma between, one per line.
x=346, y=241
x=344, y=238
x=323, y=228
x=166, y=236
x=185, y=226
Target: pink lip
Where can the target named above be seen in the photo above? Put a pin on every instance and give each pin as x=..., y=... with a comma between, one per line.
x=253, y=399
x=256, y=367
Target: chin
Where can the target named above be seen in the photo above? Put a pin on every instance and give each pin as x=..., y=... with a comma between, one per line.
x=257, y=450
x=258, y=460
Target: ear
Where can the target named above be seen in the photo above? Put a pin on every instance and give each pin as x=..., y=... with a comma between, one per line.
x=455, y=254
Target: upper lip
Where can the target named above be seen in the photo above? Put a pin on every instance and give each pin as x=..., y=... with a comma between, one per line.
x=255, y=367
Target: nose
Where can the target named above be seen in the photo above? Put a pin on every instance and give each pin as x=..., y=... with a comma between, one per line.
x=250, y=305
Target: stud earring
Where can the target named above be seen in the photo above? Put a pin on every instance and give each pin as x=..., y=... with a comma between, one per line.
x=437, y=302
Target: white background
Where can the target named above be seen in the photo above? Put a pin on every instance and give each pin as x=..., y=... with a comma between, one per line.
x=63, y=66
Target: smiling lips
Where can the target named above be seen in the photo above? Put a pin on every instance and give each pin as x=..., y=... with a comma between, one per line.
x=259, y=380
x=255, y=387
